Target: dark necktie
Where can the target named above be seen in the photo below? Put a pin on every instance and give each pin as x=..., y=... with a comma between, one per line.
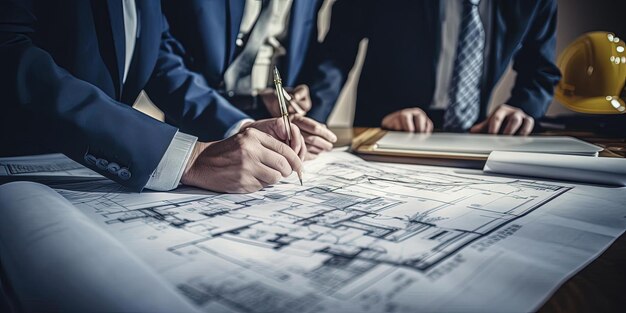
x=464, y=106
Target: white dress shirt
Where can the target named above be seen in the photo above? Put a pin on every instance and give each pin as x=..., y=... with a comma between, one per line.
x=268, y=53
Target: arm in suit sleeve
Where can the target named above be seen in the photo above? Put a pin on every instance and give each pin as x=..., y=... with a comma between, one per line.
x=186, y=98
x=80, y=120
x=328, y=63
x=534, y=63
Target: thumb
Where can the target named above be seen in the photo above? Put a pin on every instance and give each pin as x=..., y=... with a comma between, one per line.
x=280, y=129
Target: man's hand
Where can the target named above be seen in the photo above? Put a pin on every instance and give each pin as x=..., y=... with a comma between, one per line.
x=245, y=162
x=275, y=127
x=317, y=136
x=409, y=120
x=300, y=95
x=514, y=120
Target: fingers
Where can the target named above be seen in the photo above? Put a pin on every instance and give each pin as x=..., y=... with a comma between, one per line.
x=317, y=137
x=406, y=122
x=495, y=121
x=309, y=125
x=411, y=120
x=297, y=141
x=480, y=127
x=429, y=126
x=317, y=142
x=293, y=107
x=421, y=121
x=513, y=123
x=527, y=126
x=387, y=122
x=314, y=150
x=266, y=175
x=392, y=123
x=289, y=154
x=247, y=185
x=275, y=128
x=273, y=161
x=302, y=95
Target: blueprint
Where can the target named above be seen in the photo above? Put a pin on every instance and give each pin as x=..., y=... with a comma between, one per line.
x=363, y=237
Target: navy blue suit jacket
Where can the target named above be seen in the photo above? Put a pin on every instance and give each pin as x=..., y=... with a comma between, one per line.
x=400, y=67
x=208, y=29
x=61, y=86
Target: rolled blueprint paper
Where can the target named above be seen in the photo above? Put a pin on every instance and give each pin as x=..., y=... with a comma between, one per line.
x=606, y=171
x=56, y=259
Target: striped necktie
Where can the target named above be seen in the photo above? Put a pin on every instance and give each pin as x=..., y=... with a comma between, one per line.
x=464, y=106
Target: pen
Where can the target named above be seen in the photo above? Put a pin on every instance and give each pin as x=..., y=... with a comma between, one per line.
x=280, y=93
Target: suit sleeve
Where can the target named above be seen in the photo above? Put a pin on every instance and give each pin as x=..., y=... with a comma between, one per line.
x=82, y=121
x=537, y=74
x=185, y=97
x=328, y=63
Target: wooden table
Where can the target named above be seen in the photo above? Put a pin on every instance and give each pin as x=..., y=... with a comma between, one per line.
x=599, y=287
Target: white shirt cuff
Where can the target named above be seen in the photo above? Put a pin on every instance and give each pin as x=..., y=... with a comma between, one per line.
x=169, y=171
x=236, y=127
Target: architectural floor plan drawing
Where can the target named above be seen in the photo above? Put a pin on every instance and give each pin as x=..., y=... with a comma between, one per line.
x=358, y=236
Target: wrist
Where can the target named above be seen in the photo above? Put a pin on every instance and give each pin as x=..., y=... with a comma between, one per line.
x=195, y=153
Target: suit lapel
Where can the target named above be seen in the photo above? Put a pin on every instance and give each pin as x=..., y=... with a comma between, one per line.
x=435, y=22
x=235, y=15
x=506, y=30
x=139, y=59
x=116, y=16
x=301, y=21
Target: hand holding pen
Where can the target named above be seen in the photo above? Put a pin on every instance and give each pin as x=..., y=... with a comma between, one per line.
x=317, y=136
x=298, y=100
x=280, y=92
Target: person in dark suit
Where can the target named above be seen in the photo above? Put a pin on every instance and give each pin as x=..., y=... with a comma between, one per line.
x=70, y=72
x=435, y=63
x=235, y=44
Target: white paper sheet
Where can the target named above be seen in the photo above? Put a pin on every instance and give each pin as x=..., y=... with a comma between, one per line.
x=57, y=260
x=607, y=171
x=364, y=237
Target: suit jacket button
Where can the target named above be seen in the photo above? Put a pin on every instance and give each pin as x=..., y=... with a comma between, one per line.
x=124, y=173
x=90, y=159
x=102, y=164
x=113, y=168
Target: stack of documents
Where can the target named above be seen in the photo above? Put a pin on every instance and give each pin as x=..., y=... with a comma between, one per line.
x=560, y=158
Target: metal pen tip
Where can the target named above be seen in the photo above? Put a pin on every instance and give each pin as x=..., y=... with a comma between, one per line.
x=276, y=74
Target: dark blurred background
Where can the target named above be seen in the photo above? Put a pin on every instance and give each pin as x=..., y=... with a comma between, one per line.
x=575, y=17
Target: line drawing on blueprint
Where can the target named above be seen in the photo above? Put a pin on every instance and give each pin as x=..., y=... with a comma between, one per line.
x=293, y=248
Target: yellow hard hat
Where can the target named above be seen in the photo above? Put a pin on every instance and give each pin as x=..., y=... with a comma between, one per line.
x=594, y=74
